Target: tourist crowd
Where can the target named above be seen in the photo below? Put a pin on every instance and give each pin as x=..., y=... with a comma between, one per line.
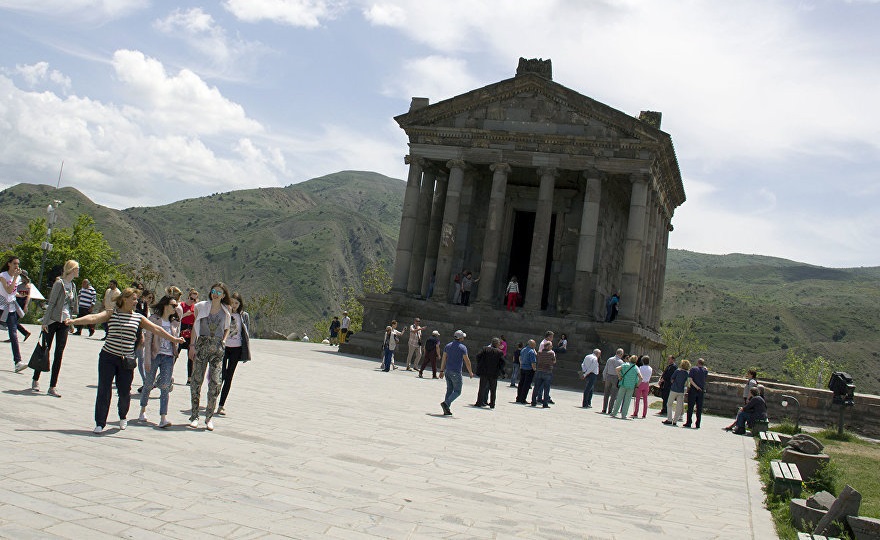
x=140, y=332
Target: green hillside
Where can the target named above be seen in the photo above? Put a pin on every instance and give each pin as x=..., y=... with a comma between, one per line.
x=751, y=309
x=305, y=241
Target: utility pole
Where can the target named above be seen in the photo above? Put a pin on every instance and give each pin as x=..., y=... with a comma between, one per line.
x=50, y=222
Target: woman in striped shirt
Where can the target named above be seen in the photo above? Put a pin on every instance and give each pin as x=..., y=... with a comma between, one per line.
x=122, y=326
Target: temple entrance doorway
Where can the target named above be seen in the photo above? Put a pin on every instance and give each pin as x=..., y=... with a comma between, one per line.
x=521, y=250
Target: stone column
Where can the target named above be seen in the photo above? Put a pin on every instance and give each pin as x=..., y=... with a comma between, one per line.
x=666, y=228
x=433, y=235
x=585, y=278
x=632, y=254
x=446, y=249
x=403, y=258
x=647, y=258
x=420, y=242
x=492, y=241
x=540, y=239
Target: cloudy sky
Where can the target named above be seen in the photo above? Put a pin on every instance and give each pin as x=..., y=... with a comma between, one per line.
x=772, y=105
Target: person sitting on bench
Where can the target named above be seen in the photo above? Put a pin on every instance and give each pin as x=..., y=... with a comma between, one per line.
x=755, y=409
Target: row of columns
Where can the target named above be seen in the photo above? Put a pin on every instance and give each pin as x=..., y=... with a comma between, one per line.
x=428, y=227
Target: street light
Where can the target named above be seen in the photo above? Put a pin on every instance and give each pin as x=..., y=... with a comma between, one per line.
x=797, y=410
x=46, y=245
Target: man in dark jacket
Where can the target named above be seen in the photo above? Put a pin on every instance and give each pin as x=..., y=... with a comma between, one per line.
x=755, y=409
x=490, y=364
x=666, y=383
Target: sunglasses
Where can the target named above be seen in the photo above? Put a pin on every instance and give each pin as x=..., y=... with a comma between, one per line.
x=215, y=291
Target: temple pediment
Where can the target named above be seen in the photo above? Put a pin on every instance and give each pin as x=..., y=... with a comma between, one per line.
x=528, y=104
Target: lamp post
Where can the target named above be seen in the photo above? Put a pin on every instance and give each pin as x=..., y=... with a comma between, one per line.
x=46, y=245
x=797, y=410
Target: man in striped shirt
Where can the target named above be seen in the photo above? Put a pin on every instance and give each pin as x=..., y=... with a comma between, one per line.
x=87, y=297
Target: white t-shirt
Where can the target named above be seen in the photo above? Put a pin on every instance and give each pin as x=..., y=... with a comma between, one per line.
x=234, y=337
x=646, y=372
x=9, y=297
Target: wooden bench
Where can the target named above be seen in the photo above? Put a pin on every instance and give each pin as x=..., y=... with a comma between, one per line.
x=759, y=426
x=767, y=440
x=808, y=536
x=786, y=478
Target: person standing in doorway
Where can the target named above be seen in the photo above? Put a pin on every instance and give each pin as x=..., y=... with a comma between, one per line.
x=455, y=356
x=62, y=303
x=612, y=307
x=589, y=372
x=467, y=285
x=87, y=297
x=512, y=294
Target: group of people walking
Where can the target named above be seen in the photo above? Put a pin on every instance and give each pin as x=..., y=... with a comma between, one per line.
x=140, y=332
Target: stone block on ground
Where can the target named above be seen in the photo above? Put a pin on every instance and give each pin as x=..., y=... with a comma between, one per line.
x=864, y=528
x=807, y=464
x=803, y=516
x=821, y=500
x=811, y=439
x=847, y=504
x=805, y=446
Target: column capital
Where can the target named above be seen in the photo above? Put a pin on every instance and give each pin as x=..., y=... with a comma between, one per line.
x=409, y=160
x=544, y=171
x=500, y=168
x=456, y=164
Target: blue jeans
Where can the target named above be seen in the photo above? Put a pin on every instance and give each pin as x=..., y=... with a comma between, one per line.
x=386, y=362
x=164, y=365
x=12, y=329
x=588, y=390
x=514, y=375
x=542, y=387
x=453, y=386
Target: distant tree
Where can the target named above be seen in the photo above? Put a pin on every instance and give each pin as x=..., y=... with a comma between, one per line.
x=264, y=310
x=81, y=242
x=374, y=279
x=803, y=372
x=149, y=276
x=681, y=338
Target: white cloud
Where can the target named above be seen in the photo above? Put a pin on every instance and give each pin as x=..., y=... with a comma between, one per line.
x=304, y=13
x=36, y=74
x=82, y=9
x=201, y=32
x=434, y=77
x=182, y=102
x=385, y=15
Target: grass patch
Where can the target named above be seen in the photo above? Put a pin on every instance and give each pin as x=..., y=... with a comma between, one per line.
x=853, y=462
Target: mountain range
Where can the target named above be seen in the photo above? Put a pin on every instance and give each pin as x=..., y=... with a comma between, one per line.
x=307, y=241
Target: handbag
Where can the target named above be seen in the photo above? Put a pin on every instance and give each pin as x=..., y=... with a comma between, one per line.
x=129, y=361
x=40, y=357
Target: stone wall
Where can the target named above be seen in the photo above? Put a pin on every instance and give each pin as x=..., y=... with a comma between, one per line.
x=724, y=395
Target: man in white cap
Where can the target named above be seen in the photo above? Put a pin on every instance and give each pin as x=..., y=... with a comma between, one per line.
x=454, y=356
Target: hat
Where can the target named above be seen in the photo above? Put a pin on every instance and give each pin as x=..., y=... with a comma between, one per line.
x=435, y=333
x=459, y=334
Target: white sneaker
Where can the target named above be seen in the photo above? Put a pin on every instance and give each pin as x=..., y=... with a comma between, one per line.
x=20, y=366
x=123, y=423
x=142, y=418
x=98, y=430
x=164, y=423
x=194, y=423
x=210, y=425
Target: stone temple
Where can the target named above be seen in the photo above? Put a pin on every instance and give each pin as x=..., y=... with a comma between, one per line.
x=529, y=178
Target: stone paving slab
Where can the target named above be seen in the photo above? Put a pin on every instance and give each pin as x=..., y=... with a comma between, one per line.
x=317, y=443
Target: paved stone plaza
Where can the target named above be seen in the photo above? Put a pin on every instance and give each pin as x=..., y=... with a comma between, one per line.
x=320, y=444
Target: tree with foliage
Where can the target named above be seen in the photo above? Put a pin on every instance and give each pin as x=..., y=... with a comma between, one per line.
x=374, y=279
x=149, y=276
x=82, y=243
x=680, y=336
x=809, y=373
x=264, y=310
